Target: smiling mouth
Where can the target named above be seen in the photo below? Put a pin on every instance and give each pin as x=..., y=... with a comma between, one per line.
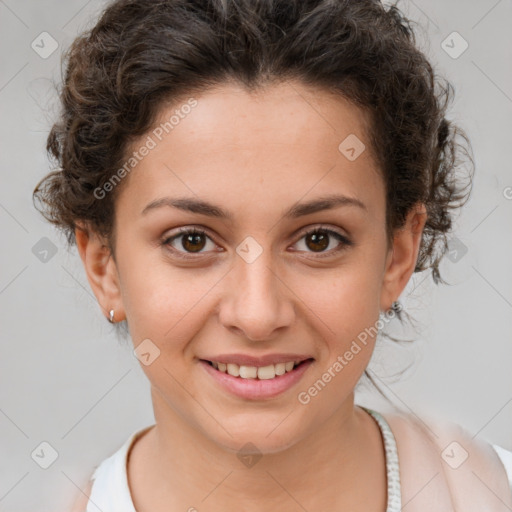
x=268, y=372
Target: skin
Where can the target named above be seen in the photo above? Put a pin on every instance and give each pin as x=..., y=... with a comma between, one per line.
x=256, y=155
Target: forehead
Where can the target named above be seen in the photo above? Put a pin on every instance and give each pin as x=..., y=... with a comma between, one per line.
x=274, y=146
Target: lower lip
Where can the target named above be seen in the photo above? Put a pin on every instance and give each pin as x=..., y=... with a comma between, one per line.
x=256, y=389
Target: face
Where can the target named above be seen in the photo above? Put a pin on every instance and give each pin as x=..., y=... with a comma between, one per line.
x=288, y=263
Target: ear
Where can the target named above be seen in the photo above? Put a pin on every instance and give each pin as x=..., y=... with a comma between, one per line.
x=101, y=270
x=402, y=257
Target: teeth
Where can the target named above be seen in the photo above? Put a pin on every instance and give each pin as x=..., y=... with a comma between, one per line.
x=267, y=372
x=248, y=372
x=233, y=369
x=280, y=368
x=253, y=372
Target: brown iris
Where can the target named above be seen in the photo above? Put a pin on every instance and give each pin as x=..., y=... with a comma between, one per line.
x=191, y=240
x=319, y=240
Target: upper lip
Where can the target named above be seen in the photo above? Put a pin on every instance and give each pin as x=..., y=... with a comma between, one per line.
x=247, y=360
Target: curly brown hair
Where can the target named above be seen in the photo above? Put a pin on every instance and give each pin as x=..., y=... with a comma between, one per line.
x=144, y=53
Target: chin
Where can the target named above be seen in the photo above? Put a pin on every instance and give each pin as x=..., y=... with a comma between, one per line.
x=256, y=436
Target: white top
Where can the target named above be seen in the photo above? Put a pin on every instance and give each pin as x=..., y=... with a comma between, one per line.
x=110, y=491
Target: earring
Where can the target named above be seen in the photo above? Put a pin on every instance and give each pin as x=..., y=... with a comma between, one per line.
x=396, y=306
x=111, y=318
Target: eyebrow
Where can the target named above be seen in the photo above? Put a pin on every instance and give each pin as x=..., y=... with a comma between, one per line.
x=298, y=210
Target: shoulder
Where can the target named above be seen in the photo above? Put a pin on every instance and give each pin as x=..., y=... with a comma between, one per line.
x=453, y=444
x=458, y=466
x=107, y=488
x=104, y=481
x=506, y=459
x=81, y=501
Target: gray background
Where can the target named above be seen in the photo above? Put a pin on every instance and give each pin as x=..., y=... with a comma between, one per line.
x=67, y=380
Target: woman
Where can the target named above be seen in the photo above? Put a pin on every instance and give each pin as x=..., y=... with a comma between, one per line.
x=250, y=186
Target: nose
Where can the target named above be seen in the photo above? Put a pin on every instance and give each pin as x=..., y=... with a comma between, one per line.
x=257, y=303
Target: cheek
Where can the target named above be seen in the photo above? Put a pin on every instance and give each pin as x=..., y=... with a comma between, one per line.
x=345, y=311
x=345, y=298
x=345, y=328
x=162, y=302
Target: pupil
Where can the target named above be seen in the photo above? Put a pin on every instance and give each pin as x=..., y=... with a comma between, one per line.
x=193, y=238
x=320, y=239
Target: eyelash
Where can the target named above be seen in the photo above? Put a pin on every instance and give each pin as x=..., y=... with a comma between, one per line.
x=345, y=242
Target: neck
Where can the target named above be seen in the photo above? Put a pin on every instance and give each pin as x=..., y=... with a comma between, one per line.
x=341, y=462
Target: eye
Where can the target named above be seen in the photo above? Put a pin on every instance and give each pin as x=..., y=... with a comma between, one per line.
x=319, y=239
x=192, y=241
